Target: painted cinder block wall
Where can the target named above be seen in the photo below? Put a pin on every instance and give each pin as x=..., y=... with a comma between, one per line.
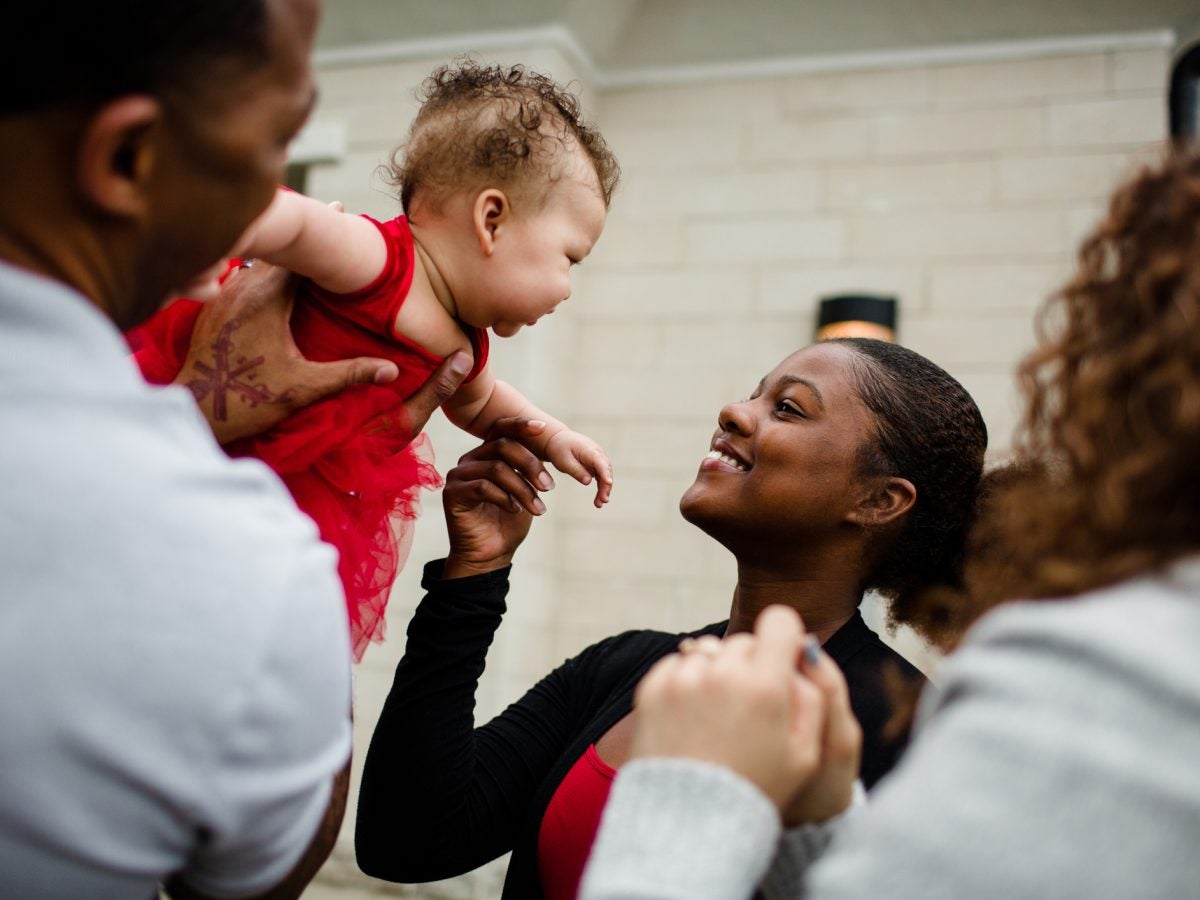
x=961, y=184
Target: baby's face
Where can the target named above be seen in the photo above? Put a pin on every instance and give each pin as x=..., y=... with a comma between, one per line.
x=529, y=271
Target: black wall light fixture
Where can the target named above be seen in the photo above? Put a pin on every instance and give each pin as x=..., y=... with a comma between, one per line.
x=857, y=315
x=1184, y=100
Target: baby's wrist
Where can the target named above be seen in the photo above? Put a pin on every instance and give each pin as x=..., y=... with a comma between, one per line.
x=551, y=433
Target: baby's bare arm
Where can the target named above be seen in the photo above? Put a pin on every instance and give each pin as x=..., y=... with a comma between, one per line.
x=341, y=253
x=479, y=405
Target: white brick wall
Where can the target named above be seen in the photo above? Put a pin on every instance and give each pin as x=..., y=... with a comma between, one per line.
x=1020, y=81
x=975, y=287
x=940, y=133
x=1106, y=122
x=883, y=187
x=786, y=142
x=859, y=91
x=960, y=188
x=1051, y=179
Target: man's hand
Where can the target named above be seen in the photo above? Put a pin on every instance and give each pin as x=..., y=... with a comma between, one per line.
x=247, y=374
x=490, y=498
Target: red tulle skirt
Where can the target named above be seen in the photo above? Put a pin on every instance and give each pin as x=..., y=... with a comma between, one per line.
x=349, y=462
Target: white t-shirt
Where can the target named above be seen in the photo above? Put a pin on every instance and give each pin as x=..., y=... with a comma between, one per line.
x=173, y=642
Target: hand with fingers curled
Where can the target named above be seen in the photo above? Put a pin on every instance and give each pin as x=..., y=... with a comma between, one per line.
x=491, y=496
x=770, y=705
x=583, y=459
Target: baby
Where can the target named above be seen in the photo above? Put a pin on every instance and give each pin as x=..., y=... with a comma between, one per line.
x=504, y=190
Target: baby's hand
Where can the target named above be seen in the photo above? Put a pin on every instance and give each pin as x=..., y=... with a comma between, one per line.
x=582, y=458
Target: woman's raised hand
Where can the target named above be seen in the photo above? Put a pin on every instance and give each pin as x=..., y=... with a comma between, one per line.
x=490, y=498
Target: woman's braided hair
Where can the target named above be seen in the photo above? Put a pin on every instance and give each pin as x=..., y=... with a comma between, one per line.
x=929, y=431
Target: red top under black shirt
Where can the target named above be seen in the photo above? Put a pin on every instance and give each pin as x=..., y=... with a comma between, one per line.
x=570, y=823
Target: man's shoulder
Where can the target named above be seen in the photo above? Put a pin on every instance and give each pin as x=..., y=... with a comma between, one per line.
x=232, y=527
x=119, y=500
x=130, y=483
x=169, y=613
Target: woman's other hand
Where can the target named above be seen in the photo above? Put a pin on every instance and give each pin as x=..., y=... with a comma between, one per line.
x=491, y=497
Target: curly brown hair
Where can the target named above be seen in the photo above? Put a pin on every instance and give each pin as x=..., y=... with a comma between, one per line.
x=482, y=125
x=928, y=430
x=1104, y=483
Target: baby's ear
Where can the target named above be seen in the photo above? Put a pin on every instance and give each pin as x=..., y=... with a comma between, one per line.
x=884, y=500
x=490, y=213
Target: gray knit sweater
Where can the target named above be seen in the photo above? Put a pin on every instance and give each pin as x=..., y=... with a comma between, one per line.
x=1061, y=759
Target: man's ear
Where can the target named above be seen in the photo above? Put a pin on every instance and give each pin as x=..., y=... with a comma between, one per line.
x=117, y=152
x=885, y=500
x=489, y=213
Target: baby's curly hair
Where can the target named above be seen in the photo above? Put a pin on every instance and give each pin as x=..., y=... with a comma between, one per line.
x=485, y=125
x=1107, y=451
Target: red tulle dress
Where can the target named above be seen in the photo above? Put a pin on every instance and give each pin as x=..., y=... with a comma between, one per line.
x=348, y=460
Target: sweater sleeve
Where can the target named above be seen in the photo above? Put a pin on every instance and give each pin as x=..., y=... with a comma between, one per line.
x=440, y=797
x=677, y=829
x=800, y=848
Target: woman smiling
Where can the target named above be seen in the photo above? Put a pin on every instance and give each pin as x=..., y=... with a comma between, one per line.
x=852, y=466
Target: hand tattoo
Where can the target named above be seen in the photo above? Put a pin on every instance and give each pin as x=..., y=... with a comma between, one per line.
x=226, y=374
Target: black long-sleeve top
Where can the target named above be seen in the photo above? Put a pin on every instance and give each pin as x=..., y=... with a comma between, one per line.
x=440, y=797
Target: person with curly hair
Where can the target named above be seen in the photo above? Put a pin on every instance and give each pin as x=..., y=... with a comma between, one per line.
x=1059, y=758
x=505, y=188
x=852, y=465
